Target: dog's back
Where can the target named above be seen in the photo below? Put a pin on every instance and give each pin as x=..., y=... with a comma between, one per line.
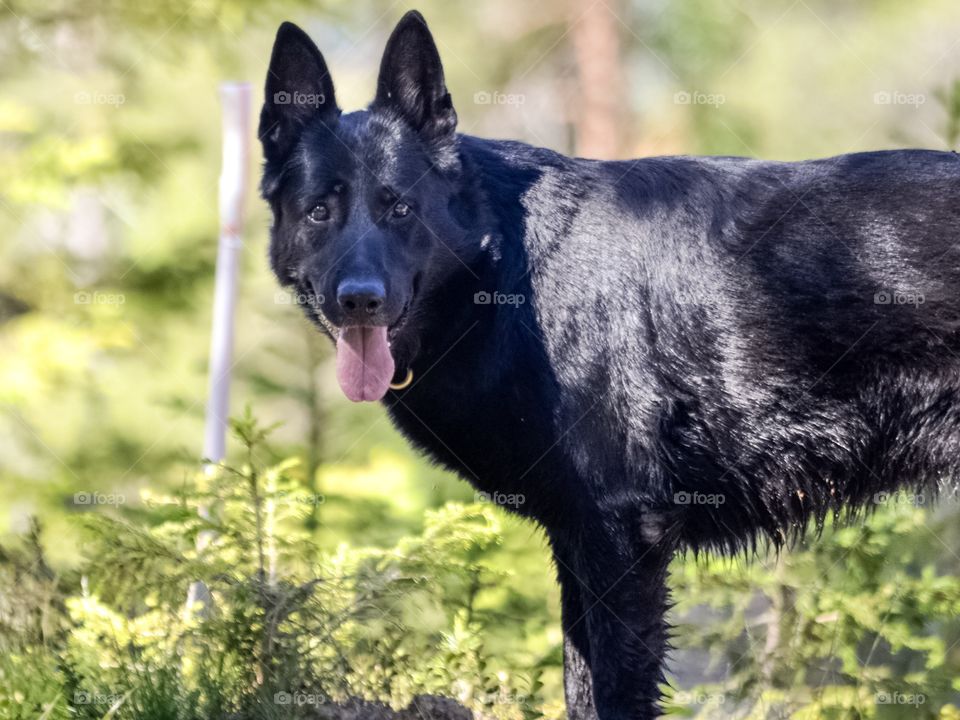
x=783, y=336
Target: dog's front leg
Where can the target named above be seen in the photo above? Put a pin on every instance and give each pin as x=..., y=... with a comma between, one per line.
x=624, y=593
x=577, y=681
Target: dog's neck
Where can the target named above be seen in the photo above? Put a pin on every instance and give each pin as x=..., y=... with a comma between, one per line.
x=487, y=292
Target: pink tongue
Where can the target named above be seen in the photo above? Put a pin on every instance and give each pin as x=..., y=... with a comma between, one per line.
x=364, y=363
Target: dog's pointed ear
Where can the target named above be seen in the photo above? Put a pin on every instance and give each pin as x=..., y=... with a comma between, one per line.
x=411, y=79
x=298, y=89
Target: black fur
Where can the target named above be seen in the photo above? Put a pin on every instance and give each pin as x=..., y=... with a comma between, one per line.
x=704, y=354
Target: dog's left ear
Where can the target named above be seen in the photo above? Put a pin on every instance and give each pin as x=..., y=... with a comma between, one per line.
x=411, y=80
x=298, y=89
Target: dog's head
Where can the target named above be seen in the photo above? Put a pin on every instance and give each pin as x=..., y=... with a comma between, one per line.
x=368, y=213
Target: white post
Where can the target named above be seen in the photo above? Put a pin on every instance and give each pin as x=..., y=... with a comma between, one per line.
x=233, y=184
x=235, y=100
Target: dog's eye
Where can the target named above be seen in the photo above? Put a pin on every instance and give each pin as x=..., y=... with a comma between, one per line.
x=319, y=214
x=401, y=209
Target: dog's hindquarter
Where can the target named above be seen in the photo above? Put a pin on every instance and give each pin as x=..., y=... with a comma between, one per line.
x=839, y=351
x=853, y=270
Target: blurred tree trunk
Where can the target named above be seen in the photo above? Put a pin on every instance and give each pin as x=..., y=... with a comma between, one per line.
x=599, y=104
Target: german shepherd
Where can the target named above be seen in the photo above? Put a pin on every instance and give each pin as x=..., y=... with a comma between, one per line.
x=658, y=355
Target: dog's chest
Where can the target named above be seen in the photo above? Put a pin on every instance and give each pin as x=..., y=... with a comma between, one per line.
x=499, y=442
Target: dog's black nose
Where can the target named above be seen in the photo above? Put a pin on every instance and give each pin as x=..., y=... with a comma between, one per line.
x=360, y=299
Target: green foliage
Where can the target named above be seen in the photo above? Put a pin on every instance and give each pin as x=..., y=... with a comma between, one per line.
x=283, y=626
x=856, y=624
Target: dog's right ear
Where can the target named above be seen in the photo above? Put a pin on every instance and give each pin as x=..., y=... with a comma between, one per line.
x=298, y=89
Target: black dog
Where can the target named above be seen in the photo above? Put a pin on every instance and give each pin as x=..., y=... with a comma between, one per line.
x=661, y=354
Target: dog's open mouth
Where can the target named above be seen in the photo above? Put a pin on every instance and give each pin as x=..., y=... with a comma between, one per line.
x=365, y=364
